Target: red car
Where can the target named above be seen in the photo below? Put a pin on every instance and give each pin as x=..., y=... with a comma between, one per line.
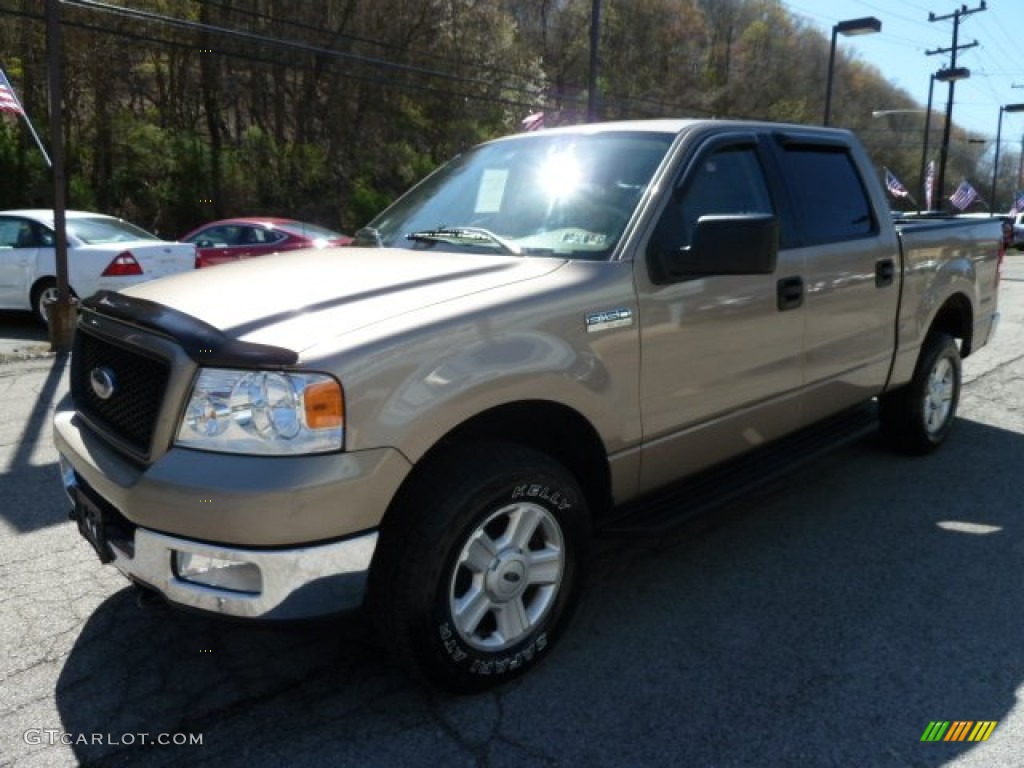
x=233, y=239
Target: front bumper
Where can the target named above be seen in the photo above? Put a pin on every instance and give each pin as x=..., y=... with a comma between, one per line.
x=280, y=584
x=302, y=529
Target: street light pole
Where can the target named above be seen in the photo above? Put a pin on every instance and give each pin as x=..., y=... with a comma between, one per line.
x=999, y=137
x=865, y=26
x=948, y=75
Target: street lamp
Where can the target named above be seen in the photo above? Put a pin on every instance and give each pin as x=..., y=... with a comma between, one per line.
x=999, y=136
x=866, y=26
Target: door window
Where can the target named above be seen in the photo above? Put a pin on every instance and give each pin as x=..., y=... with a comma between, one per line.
x=729, y=180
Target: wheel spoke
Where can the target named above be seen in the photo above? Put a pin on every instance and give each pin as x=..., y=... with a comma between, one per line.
x=522, y=524
x=480, y=553
x=470, y=609
x=544, y=566
x=512, y=619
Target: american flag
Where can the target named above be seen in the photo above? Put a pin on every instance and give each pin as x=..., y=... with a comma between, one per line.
x=533, y=122
x=929, y=185
x=965, y=195
x=894, y=185
x=1018, y=204
x=8, y=101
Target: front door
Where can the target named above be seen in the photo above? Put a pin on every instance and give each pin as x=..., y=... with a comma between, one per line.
x=721, y=355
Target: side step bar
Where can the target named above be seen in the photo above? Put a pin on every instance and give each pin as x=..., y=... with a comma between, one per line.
x=666, y=509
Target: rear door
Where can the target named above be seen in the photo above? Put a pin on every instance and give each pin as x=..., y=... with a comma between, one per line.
x=722, y=354
x=851, y=270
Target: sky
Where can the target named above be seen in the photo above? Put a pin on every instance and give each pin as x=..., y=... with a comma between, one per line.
x=898, y=51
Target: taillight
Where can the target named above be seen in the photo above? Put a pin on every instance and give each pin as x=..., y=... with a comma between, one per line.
x=123, y=265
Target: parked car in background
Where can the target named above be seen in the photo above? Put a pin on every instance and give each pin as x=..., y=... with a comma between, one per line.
x=242, y=238
x=1018, y=231
x=104, y=253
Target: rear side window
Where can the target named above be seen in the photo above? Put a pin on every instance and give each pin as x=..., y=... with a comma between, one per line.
x=829, y=198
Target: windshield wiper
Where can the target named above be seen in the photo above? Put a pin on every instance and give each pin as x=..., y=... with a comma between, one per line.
x=464, y=235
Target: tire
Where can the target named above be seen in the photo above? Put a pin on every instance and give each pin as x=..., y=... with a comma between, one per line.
x=479, y=568
x=917, y=418
x=42, y=291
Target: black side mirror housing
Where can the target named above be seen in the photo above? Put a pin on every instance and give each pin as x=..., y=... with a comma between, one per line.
x=732, y=244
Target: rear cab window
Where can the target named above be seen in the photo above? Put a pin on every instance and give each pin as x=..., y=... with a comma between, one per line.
x=829, y=199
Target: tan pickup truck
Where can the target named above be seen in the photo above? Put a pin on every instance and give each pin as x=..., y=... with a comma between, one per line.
x=592, y=328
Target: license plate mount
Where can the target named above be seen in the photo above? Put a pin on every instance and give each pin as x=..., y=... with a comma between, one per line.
x=92, y=525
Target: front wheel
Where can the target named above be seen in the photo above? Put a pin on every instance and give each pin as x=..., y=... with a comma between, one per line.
x=480, y=567
x=917, y=417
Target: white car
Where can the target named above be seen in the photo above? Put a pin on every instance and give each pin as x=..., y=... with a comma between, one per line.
x=103, y=253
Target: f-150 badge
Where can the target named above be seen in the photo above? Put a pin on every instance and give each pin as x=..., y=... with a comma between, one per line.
x=608, y=319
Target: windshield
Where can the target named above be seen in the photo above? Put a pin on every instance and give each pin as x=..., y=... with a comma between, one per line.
x=95, y=231
x=565, y=195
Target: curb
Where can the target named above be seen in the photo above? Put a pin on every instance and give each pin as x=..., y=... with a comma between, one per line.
x=34, y=352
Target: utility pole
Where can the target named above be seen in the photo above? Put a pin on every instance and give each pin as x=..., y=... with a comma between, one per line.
x=959, y=13
x=593, y=107
x=62, y=313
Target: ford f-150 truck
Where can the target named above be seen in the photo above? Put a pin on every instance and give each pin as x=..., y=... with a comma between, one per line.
x=555, y=333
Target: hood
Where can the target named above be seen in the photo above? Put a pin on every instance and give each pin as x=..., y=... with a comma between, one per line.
x=300, y=298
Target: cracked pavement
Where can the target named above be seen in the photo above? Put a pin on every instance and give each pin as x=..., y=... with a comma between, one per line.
x=825, y=622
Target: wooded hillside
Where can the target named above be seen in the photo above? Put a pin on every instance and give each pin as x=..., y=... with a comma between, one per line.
x=178, y=111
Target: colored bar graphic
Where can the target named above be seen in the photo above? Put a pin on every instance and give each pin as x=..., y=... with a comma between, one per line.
x=935, y=731
x=982, y=730
x=959, y=730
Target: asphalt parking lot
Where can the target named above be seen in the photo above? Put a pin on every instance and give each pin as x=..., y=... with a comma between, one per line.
x=826, y=621
x=21, y=336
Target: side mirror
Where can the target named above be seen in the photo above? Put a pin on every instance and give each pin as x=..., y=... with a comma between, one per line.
x=732, y=244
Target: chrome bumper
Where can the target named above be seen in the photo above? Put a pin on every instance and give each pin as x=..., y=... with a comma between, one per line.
x=281, y=583
x=290, y=584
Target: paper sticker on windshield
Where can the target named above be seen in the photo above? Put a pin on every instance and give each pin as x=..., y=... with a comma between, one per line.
x=492, y=190
x=579, y=237
x=610, y=318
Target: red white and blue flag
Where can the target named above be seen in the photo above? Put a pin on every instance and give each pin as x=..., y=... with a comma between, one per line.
x=533, y=122
x=8, y=99
x=894, y=185
x=965, y=195
x=929, y=185
x=1018, y=204
x=9, y=103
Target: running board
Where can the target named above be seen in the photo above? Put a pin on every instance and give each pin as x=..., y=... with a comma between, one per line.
x=666, y=509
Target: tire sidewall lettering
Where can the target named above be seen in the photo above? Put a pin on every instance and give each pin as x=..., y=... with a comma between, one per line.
x=558, y=500
x=475, y=664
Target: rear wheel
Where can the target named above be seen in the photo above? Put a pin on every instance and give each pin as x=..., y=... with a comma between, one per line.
x=44, y=291
x=917, y=417
x=480, y=567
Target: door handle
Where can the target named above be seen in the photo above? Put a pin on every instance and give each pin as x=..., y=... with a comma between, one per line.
x=790, y=293
x=885, y=272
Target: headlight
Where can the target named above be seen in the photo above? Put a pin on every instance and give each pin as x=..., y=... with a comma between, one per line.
x=263, y=412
